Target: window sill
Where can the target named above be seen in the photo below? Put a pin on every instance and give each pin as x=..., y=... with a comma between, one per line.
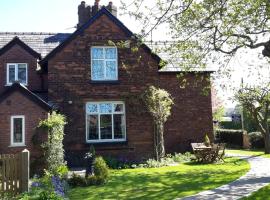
x=8, y=85
x=17, y=145
x=116, y=82
x=107, y=142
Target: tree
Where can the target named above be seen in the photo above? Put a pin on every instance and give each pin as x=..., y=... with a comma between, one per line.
x=256, y=99
x=201, y=27
x=54, y=150
x=159, y=103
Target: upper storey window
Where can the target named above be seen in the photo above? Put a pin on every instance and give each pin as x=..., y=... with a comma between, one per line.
x=104, y=64
x=17, y=72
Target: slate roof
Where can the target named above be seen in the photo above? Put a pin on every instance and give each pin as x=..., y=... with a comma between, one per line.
x=42, y=43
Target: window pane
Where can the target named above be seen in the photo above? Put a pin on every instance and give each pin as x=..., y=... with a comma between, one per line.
x=118, y=108
x=97, y=53
x=119, y=126
x=111, y=70
x=105, y=108
x=22, y=73
x=17, y=130
x=92, y=124
x=91, y=108
x=11, y=71
x=106, y=126
x=97, y=70
x=110, y=53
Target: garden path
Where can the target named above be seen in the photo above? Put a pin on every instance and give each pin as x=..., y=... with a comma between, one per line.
x=256, y=178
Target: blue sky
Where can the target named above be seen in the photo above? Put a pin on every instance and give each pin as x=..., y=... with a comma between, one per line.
x=41, y=15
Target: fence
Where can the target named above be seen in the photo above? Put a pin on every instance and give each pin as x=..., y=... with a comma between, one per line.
x=14, y=172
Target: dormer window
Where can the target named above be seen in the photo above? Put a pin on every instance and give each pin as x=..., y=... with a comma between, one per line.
x=104, y=65
x=17, y=72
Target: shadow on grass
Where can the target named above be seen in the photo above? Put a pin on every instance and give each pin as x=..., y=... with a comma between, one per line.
x=163, y=183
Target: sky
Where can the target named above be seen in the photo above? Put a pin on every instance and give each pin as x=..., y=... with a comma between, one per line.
x=61, y=16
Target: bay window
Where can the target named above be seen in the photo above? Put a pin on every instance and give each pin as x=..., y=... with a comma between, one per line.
x=105, y=122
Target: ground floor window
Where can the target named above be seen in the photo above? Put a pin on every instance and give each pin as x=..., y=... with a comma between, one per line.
x=17, y=130
x=105, y=122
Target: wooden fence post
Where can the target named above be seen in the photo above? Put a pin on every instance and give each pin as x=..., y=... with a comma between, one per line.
x=25, y=154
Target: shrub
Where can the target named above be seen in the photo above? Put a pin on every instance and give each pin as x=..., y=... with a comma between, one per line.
x=54, y=150
x=117, y=163
x=230, y=125
x=101, y=170
x=206, y=140
x=77, y=181
x=182, y=158
x=231, y=137
x=256, y=140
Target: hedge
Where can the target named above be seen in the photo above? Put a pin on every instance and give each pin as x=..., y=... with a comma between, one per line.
x=230, y=137
x=256, y=140
x=230, y=125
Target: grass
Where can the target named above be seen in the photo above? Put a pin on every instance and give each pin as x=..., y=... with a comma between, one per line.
x=248, y=152
x=163, y=183
x=262, y=194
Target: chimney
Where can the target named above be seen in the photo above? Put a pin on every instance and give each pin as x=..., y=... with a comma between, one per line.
x=96, y=7
x=84, y=13
x=113, y=9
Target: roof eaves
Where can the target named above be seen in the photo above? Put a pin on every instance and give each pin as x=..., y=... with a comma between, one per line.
x=16, y=40
x=27, y=93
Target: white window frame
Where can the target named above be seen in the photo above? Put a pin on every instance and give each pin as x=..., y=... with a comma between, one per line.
x=112, y=113
x=104, y=63
x=17, y=144
x=8, y=83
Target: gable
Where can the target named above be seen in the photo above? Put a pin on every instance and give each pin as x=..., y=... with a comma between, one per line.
x=17, y=42
x=17, y=87
x=101, y=15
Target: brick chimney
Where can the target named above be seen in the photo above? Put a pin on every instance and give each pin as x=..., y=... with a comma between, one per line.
x=85, y=12
x=113, y=9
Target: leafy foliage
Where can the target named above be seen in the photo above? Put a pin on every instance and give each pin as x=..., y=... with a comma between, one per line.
x=54, y=150
x=256, y=99
x=159, y=103
x=256, y=140
x=203, y=27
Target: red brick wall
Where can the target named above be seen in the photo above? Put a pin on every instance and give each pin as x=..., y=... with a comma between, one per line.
x=18, y=104
x=69, y=80
x=18, y=55
x=191, y=116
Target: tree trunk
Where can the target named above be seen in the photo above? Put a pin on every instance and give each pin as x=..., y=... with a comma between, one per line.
x=159, y=141
x=267, y=143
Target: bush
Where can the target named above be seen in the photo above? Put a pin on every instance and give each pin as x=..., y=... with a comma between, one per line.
x=120, y=163
x=230, y=125
x=77, y=181
x=230, y=137
x=256, y=140
x=101, y=170
x=54, y=150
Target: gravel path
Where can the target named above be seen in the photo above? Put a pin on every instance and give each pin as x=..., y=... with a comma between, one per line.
x=256, y=178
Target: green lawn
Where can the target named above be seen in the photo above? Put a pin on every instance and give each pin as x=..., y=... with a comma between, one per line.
x=249, y=152
x=163, y=183
x=262, y=194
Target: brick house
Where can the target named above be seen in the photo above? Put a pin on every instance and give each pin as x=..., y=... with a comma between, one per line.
x=97, y=85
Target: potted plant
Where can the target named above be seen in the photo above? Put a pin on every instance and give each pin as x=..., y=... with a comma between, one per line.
x=90, y=158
